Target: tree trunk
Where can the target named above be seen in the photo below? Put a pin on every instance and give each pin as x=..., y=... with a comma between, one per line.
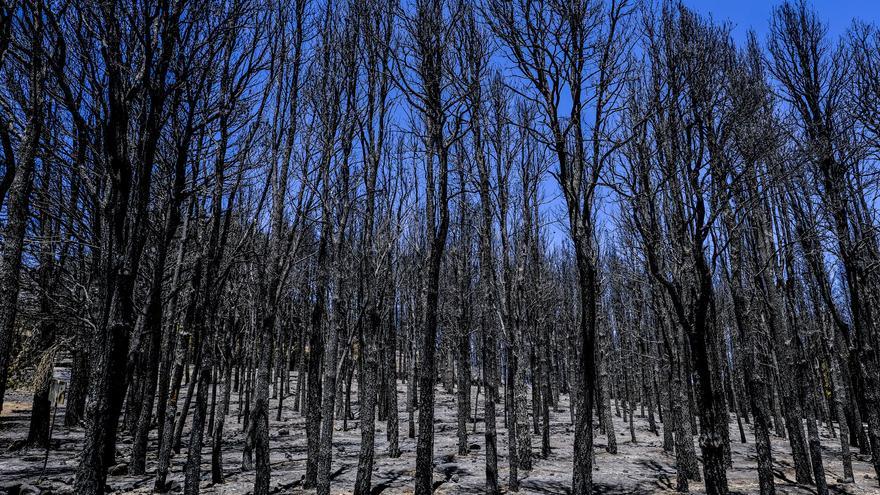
x=259, y=418
x=193, y=466
x=368, y=392
x=219, y=421
x=17, y=212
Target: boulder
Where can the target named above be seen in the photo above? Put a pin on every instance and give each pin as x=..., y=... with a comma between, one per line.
x=118, y=470
x=26, y=489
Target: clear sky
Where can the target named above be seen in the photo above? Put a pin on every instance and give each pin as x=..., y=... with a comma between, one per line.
x=755, y=14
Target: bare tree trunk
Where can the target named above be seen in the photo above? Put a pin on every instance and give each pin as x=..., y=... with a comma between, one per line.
x=839, y=400
x=17, y=207
x=193, y=467
x=367, y=393
x=259, y=417
x=220, y=421
x=393, y=426
x=166, y=439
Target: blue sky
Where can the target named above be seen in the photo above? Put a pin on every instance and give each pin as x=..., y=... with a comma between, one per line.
x=755, y=14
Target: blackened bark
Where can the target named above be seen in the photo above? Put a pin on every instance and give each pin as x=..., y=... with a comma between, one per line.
x=757, y=391
x=315, y=362
x=431, y=26
x=546, y=391
x=153, y=329
x=510, y=414
x=700, y=338
x=332, y=367
x=463, y=395
x=79, y=376
x=603, y=406
x=17, y=208
x=368, y=393
x=583, y=437
x=425, y=443
x=180, y=345
x=41, y=410
x=839, y=400
x=259, y=416
x=393, y=426
x=219, y=421
x=490, y=374
x=523, y=430
x=193, y=467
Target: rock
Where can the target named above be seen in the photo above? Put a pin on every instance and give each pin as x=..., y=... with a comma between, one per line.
x=474, y=446
x=454, y=478
x=283, y=432
x=118, y=470
x=341, y=448
x=174, y=487
x=10, y=489
x=17, y=445
x=26, y=489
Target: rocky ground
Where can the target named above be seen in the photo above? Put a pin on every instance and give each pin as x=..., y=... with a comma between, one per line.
x=640, y=467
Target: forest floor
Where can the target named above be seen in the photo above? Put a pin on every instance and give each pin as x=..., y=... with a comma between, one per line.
x=640, y=467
